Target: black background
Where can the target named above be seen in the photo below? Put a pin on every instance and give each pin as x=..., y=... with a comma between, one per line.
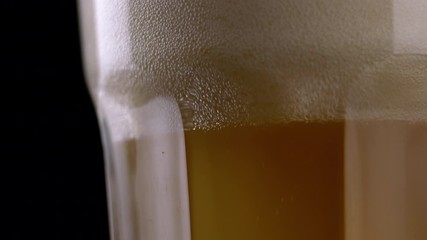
x=51, y=173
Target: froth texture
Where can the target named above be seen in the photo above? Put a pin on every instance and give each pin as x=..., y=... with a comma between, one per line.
x=229, y=62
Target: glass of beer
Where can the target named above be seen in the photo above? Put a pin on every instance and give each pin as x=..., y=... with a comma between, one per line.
x=252, y=120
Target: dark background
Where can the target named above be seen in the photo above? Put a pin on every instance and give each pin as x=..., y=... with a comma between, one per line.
x=51, y=173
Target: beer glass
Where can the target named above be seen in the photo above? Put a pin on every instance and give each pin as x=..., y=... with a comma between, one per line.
x=249, y=119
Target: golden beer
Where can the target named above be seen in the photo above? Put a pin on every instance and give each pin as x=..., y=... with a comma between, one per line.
x=282, y=181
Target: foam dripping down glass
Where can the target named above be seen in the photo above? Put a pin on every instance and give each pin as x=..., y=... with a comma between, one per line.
x=277, y=119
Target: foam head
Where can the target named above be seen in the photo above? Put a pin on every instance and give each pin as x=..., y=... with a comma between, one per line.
x=249, y=62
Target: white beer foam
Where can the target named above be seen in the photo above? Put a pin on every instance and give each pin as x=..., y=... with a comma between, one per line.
x=159, y=116
x=112, y=37
x=249, y=62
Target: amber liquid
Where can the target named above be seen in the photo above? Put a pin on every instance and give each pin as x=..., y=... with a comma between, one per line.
x=271, y=182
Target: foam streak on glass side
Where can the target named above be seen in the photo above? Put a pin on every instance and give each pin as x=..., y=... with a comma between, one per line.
x=146, y=171
x=375, y=180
